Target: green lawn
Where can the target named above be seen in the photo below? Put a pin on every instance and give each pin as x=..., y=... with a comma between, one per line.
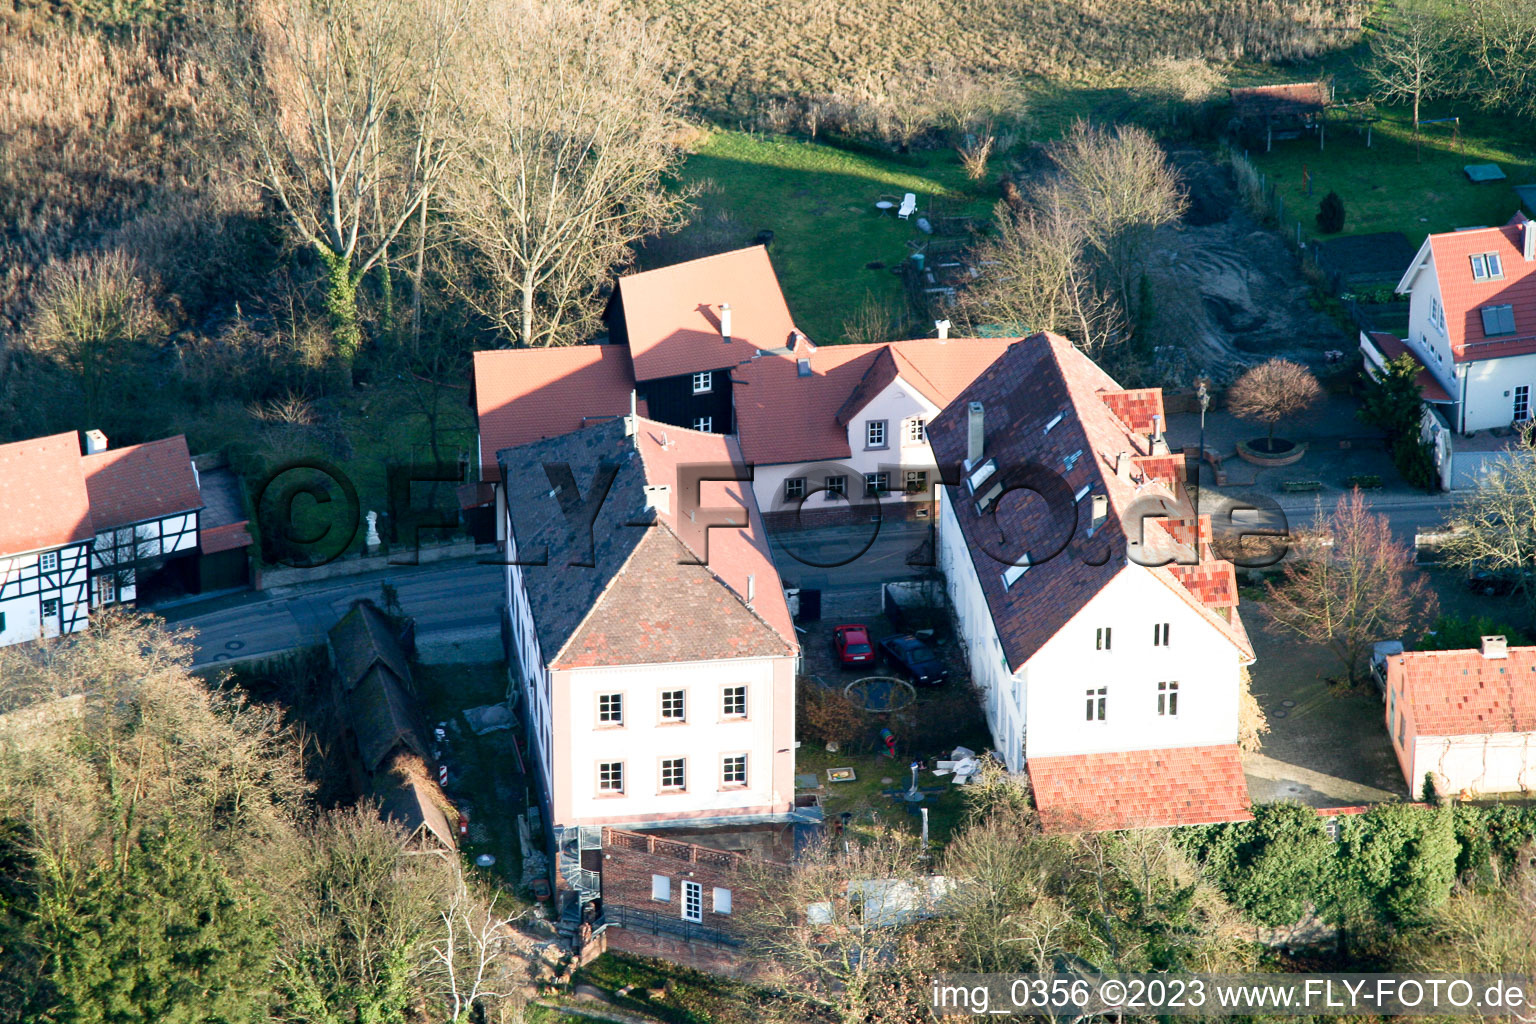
x=865, y=797
x=819, y=201
x=1390, y=187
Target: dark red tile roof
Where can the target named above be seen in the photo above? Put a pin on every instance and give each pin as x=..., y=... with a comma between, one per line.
x=672, y=315
x=1139, y=789
x=141, y=482
x=1463, y=297
x=43, y=499
x=1462, y=693
x=1043, y=381
x=1392, y=347
x=228, y=537
x=527, y=394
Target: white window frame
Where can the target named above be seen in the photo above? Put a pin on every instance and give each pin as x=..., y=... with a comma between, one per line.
x=704, y=424
x=616, y=710
x=693, y=902
x=680, y=713
x=729, y=783
x=1168, y=699
x=615, y=769
x=1490, y=265
x=1437, y=313
x=835, y=486
x=917, y=430
x=731, y=695
x=1103, y=638
x=876, y=434
x=106, y=589
x=794, y=488
x=1521, y=409
x=48, y=561
x=876, y=484
x=661, y=888
x=703, y=382
x=678, y=764
x=915, y=481
x=722, y=901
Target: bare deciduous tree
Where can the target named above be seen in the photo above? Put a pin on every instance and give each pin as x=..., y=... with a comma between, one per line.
x=1411, y=58
x=1500, y=37
x=571, y=135
x=345, y=104
x=1273, y=391
x=1350, y=585
x=1494, y=527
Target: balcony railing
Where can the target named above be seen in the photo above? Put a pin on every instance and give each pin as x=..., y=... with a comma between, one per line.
x=650, y=923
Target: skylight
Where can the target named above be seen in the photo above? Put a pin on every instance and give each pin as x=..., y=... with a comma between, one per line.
x=1486, y=266
x=1055, y=420
x=1013, y=572
x=980, y=474
x=1498, y=320
x=1071, y=460
x=1082, y=492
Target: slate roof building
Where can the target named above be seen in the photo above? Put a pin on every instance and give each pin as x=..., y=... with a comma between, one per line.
x=1100, y=626
x=1466, y=719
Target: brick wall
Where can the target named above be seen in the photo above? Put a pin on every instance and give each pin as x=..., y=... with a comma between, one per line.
x=700, y=956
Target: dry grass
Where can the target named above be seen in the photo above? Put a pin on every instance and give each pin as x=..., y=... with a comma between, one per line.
x=740, y=57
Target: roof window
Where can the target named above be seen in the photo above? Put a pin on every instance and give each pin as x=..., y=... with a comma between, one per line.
x=1486, y=266
x=1013, y=572
x=980, y=474
x=1055, y=420
x=1498, y=320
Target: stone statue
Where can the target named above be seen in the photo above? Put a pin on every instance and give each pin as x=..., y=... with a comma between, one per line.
x=373, y=540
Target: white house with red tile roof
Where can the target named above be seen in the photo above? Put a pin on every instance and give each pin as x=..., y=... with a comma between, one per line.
x=1467, y=718
x=649, y=634
x=81, y=531
x=1100, y=627
x=842, y=429
x=1472, y=325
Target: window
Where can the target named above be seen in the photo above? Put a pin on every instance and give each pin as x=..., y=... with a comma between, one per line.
x=1402, y=727
x=876, y=484
x=610, y=709
x=704, y=424
x=1094, y=706
x=1101, y=640
x=980, y=474
x=733, y=770
x=874, y=433
x=733, y=702
x=1159, y=634
x=2, y=622
x=674, y=774
x=1436, y=313
x=661, y=888
x=1487, y=267
x=1082, y=492
x=1013, y=572
x=794, y=488
x=50, y=608
x=1168, y=700
x=1498, y=320
x=693, y=902
x=704, y=383
x=48, y=561
x=610, y=776
x=106, y=589
x=722, y=901
x=917, y=481
x=1522, y=402
x=917, y=431
x=1071, y=460
x=1055, y=420
x=836, y=487
x=672, y=706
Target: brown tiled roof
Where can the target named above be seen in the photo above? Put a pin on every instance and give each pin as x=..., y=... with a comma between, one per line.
x=635, y=603
x=1029, y=386
x=672, y=315
x=527, y=394
x=1463, y=297
x=228, y=537
x=43, y=498
x=1462, y=693
x=1289, y=98
x=843, y=379
x=1141, y=410
x=1392, y=347
x=140, y=482
x=1139, y=789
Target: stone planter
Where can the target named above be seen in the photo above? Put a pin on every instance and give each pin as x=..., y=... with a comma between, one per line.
x=1258, y=457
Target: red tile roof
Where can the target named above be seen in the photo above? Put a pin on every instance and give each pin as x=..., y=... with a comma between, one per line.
x=1463, y=297
x=43, y=500
x=1462, y=693
x=527, y=394
x=672, y=315
x=1035, y=382
x=1391, y=347
x=842, y=381
x=141, y=482
x=1139, y=789
x=227, y=537
x=1288, y=98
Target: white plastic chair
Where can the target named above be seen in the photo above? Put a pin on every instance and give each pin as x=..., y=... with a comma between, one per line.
x=908, y=205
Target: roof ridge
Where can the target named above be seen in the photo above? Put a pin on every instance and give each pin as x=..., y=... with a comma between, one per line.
x=553, y=660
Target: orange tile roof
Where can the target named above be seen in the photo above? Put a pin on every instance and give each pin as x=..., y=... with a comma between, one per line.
x=1462, y=693
x=784, y=417
x=672, y=315
x=527, y=394
x=140, y=482
x=1463, y=297
x=1139, y=789
x=1391, y=347
x=43, y=499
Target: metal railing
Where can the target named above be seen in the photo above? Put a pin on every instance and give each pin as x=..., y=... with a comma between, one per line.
x=652, y=923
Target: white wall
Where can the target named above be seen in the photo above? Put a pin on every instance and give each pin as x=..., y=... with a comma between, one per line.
x=704, y=738
x=1496, y=763
x=1491, y=386
x=1198, y=657
x=1427, y=338
x=536, y=707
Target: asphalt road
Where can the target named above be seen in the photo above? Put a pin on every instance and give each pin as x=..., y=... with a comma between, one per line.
x=444, y=598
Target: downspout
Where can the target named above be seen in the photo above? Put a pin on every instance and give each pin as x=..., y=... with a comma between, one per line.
x=1461, y=406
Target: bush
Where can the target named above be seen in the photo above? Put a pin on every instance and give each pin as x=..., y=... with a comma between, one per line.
x=827, y=715
x=1275, y=866
x=1455, y=633
x=1330, y=214
x=1397, y=862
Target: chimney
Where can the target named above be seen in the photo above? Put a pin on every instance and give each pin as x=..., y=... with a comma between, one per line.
x=1495, y=647
x=1100, y=508
x=725, y=321
x=1159, y=446
x=95, y=441
x=751, y=589
x=1123, y=466
x=975, y=437
x=942, y=326
x=631, y=420
x=1528, y=236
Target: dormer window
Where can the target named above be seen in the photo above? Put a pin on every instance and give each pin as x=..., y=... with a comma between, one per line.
x=980, y=474
x=1487, y=267
x=704, y=383
x=1498, y=320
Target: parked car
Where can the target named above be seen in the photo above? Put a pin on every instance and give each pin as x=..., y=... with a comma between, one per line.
x=850, y=642
x=915, y=658
x=1489, y=583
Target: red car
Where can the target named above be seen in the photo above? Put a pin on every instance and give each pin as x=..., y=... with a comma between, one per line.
x=851, y=645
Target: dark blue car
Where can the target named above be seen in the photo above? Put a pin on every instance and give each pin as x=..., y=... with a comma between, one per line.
x=915, y=658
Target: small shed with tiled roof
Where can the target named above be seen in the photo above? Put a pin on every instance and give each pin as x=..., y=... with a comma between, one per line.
x=1466, y=718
